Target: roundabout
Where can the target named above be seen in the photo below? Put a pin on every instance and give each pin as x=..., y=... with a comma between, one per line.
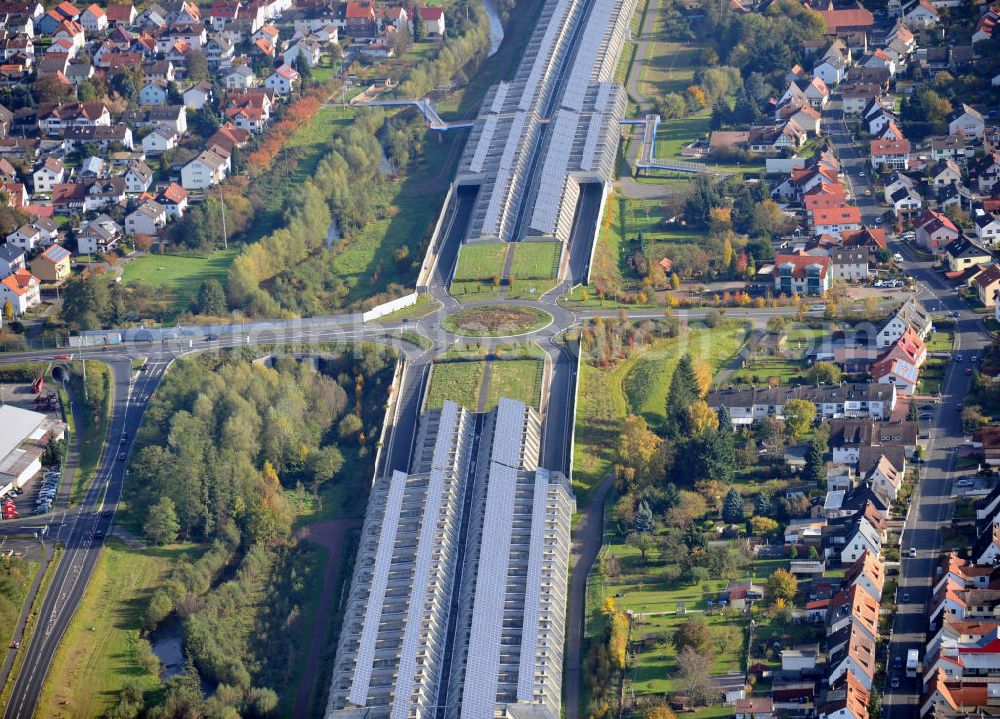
x=496, y=321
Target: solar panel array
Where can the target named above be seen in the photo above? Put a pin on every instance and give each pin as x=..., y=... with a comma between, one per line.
x=533, y=590
x=509, y=433
x=550, y=188
x=376, y=595
x=481, y=670
x=501, y=188
x=426, y=547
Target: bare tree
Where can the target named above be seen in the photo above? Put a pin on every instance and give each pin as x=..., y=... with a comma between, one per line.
x=693, y=668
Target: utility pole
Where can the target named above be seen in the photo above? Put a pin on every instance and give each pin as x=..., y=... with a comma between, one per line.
x=83, y=361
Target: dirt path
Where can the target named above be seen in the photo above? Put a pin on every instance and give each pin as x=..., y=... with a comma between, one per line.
x=587, y=541
x=329, y=535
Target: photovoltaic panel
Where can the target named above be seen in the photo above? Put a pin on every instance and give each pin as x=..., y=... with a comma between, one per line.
x=533, y=590
x=426, y=545
x=376, y=596
x=482, y=668
x=553, y=180
x=509, y=432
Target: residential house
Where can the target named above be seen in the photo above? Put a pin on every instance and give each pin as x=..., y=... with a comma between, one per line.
x=138, y=177
x=159, y=141
x=53, y=265
x=219, y=49
x=29, y=237
x=12, y=259
x=773, y=139
x=359, y=19
x=920, y=14
x=831, y=69
x=851, y=264
x=197, y=95
x=305, y=51
x=48, y=174
x=94, y=19
x=801, y=275
x=835, y=221
x=432, y=21
x=98, y=236
x=806, y=117
x=935, y=231
x=754, y=708
x=967, y=122
x=122, y=15
x=816, y=92
x=283, y=81
x=897, y=372
x=850, y=699
x=174, y=200
x=148, y=219
x=904, y=198
x=985, y=171
x=910, y=315
x=856, y=96
x=21, y=289
x=153, y=93
x=747, y=406
x=240, y=77
x=987, y=284
x=946, y=172
x=962, y=254
x=890, y=153
x=103, y=137
x=846, y=19
x=987, y=227
x=207, y=169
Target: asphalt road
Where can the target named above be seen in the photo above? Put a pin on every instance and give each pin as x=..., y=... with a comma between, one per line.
x=931, y=505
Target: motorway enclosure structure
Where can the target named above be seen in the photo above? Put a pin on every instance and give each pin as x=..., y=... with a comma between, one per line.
x=457, y=607
x=542, y=139
x=458, y=599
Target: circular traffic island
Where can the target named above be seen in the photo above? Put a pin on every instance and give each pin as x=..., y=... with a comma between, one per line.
x=496, y=321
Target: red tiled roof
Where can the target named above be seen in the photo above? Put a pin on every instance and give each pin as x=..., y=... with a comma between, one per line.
x=801, y=262
x=840, y=215
x=853, y=17
x=890, y=147
x=430, y=13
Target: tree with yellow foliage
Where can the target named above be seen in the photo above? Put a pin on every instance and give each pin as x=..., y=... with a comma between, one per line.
x=701, y=418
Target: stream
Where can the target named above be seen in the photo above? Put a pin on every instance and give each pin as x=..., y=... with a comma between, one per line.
x=496, y=27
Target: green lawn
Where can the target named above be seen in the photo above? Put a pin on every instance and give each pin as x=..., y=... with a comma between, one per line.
x=647, y=382
x=458, y=381
x=932, y=375
x=536, y=259
x=179, y=275
x=480, y=261
x=516, y=379
x=941, y=341
x=314, y=137
x=637, y=384
x=97, y=655
x=764, y=370
x=670, y=68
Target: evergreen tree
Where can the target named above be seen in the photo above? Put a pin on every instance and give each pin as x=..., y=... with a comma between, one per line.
x=212, y=298
x=762, y=504
x=643, y=522
x=815, y=470
x=725, y=440
x=732, y=508
x=693, y=537
x=912, y=414
x=683, y=391
x=671, y=496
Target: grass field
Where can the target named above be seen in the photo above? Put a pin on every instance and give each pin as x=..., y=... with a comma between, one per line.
x=458, y=381
x=942, y=341
x=670, y=68
x=97, y=655
x=480, y=261
x=314, y=136
x=516, y=379
x=647, y=382
x=637, y=384
x=179, y=275
x=536, y=259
